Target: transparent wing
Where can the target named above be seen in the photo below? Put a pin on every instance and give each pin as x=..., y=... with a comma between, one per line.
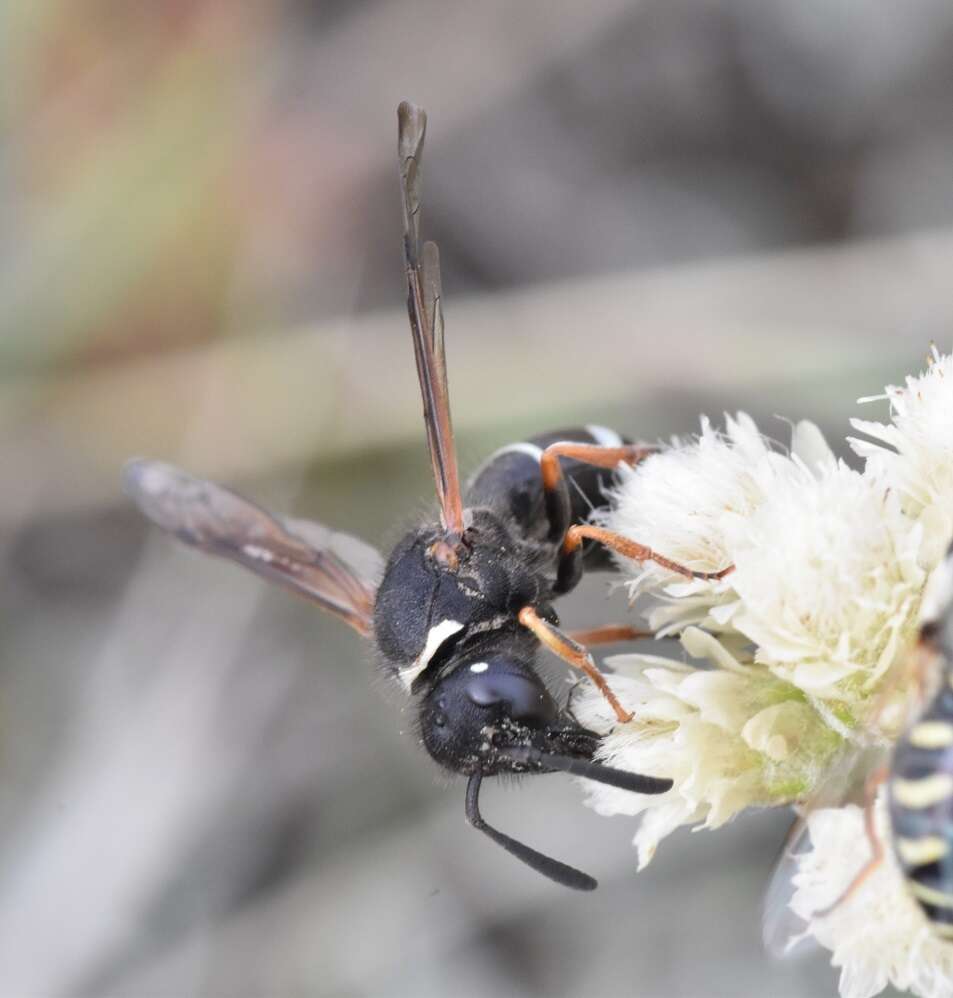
x=426, y=319
x=843, y=784
x=338, y=572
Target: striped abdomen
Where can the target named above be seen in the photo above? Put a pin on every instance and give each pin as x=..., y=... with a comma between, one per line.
x=920, y=802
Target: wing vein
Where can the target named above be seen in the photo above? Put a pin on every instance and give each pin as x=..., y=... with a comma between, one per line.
x=426, y=320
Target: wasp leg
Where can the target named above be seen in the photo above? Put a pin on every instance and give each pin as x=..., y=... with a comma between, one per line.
x=555, y=491
x=572, y=652
x=610, y=634
x=874, y=780
x=570, y=559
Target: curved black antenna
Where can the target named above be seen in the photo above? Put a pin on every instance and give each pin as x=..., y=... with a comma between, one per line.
x=635, y=782
x=568, y=876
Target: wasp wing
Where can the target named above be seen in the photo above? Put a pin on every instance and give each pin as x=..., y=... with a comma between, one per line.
x=426, y=319
x=843, y=783
x=338, y=572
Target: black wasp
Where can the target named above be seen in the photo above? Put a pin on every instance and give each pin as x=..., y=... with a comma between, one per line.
x=462, y=605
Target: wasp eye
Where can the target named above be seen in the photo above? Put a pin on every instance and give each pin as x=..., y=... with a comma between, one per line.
x=519, y=696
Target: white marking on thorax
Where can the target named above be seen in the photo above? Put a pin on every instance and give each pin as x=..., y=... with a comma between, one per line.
x=603, y=436
x=479, y=666
x=435, y=638
x=530, y=450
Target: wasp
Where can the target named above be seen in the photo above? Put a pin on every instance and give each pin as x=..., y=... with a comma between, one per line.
x=920, y=775
x=463, y=604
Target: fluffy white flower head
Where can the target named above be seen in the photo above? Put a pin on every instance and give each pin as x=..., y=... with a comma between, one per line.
x=826, y=581
x=913, y=453
x=828, y=586
x=820, y=607
x=691, y=501
x=728, y=738
x=878, y=935
x=808, y=642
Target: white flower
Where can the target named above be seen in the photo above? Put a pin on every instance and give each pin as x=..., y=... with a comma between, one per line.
x=808, y=639
x=828, y=586
x=827, y=579
x=690, y=502
x=878, y=935
x=729, y=739
x=913, y=453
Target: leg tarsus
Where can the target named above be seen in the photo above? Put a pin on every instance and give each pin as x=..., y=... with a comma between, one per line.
x=610, y=634
x=631, y=549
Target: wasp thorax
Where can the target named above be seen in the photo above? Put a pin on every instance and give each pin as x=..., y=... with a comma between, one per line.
x=485, y=706
x=487, y=580
x=446, y=554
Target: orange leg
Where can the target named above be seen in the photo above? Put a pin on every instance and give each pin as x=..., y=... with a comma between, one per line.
x=874, y=780
x=631, y=549
x=609, y=634
x=554, y=483
x=575, y=654
x=601, y=457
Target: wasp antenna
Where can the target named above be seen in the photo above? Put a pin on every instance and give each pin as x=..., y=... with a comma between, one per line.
x=568, y=876
x=634, y=782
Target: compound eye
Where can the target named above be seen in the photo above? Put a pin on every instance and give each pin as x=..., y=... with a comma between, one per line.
x=522, y=697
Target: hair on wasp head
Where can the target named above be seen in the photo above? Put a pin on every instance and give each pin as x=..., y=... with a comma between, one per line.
x=463, y=604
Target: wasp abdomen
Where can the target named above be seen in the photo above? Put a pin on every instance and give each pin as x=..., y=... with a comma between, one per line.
x=920, y=801
x=510, y=483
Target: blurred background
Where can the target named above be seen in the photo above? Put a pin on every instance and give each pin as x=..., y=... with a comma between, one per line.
x=646, y=211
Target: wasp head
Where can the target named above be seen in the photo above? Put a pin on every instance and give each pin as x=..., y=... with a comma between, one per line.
x=492, y=713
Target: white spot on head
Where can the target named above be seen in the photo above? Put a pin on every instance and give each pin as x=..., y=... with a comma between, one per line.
x=479, y=667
